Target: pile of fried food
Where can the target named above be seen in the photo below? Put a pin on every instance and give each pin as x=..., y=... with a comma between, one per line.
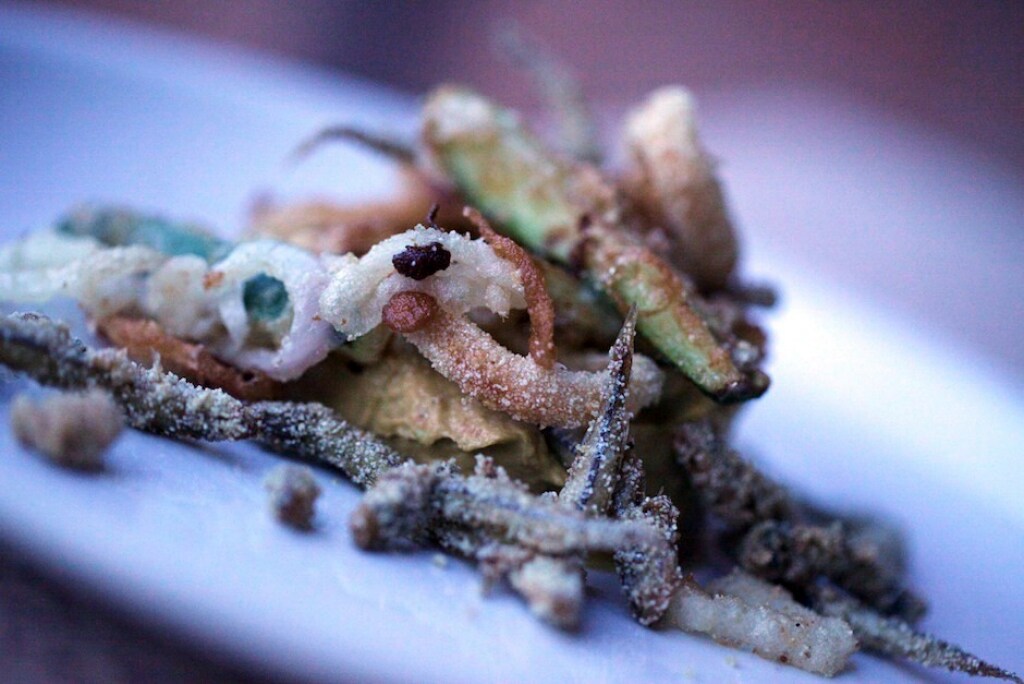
x=454, y=364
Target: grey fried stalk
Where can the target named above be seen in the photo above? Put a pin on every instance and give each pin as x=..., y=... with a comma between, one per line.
x=162, y=403
x=894, y=637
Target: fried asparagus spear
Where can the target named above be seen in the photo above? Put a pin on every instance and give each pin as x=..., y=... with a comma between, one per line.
x=570, y=214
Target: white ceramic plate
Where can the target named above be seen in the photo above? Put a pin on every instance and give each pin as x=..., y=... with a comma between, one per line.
x=864, y=411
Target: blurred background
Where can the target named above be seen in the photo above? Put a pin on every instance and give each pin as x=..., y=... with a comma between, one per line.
x=957, y=67
x=952, y=72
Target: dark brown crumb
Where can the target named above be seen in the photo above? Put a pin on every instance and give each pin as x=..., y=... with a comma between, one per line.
x=422, y=261
x=407, y=312
x=73, y=430
x=432, y=214
x=293, y=494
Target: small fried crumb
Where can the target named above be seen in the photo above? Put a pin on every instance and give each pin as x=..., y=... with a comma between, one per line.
x=73, y=430
x=293, y=493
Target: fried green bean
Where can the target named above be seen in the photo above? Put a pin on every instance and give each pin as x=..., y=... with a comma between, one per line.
x=417, y=502
x=781, y=540
x=730, y=487
x=569, y=213
x=797, y=554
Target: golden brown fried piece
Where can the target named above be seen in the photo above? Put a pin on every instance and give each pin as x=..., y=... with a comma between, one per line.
x=671, y=181
x=426, y=417
x=146, y=342
x=462, y=352
x=325, y=226
x=538, y=301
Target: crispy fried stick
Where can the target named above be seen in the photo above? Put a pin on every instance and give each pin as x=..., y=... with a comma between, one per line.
x=164, y=404
x=538, y=301
x=147, y=342
x=778, y=543
x=897, y=638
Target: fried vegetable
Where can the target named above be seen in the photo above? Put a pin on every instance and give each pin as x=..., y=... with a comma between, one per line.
x=583, y=316
x=538, y=302
x=731, y=488
x=279, y=334
x=897, y=638
x=568, y=213
x=476, y=277
x=402, y=397
x=462, y=352
x=147, y=343
x=798, y=554
x=265, y=298
x=164, y=404
x=120, y=227
x=594, y=473
x=747, y=613
x=417, y=502
x=778, y=542
x=670, y=178
x=47, y=265
x=363, y=289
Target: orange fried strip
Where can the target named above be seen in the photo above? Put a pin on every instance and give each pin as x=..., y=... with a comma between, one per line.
x=538, y=301
x=324, y=226
x=145, y=341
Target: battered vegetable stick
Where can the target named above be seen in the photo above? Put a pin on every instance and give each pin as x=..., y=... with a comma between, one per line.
x=671, y=179
x=146, y=342
x=164, y=404
x=567, y=212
